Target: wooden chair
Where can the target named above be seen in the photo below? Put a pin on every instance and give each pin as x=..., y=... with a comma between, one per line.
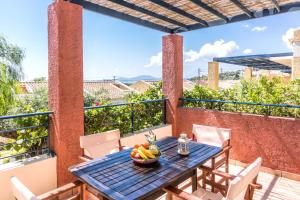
x=100, y=144
x=21, y=192
x=240, y=187
x=216, y=137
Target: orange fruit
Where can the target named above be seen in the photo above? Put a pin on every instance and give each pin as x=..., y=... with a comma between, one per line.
x=132, y=154
x=136, y=146
x=146, y=145
x=135, y=150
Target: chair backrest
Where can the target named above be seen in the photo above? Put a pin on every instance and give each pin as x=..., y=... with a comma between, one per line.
x=238, y=186
x=100, y=144
x=20, y=191
x=211, y=135
x=139, y=138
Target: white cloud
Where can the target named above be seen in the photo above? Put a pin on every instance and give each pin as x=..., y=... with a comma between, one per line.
x=155, y=61
x=247, y=51
x=259, y=28
x=289, y=34
x=219, y=48
x=246, y=26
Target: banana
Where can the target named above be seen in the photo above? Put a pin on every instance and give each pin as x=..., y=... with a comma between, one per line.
x=153, y=151
x=142, y=154
x=146, y=152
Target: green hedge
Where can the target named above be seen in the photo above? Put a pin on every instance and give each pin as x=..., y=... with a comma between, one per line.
x=262, y=91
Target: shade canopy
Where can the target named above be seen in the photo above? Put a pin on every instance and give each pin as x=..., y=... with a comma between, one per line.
x=174, y=16
x=264, y=61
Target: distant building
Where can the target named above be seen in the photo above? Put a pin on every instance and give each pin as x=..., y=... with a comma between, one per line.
x=111, y=89
x=142, y=86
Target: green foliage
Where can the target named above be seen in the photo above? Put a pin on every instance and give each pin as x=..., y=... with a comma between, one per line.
x=27, y=140
x=145, y=115
x=96, y=99
x=261, y=91
x=7, y=90
x=11, y=57
x=152, y=93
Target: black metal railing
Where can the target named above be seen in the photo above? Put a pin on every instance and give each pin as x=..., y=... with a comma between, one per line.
x=24, y=136
x=128, y=117
x=282, y=110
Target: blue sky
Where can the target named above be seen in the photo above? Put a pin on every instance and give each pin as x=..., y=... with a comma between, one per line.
x=117, y=48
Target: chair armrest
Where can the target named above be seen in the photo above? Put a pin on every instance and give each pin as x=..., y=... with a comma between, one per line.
x=223, y=174
x=85, y=158
x=256, y=186
x=56, y=192
x=224, y=150
x=181, y=194
x=227, y=148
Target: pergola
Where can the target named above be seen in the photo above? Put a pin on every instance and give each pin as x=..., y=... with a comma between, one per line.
x=175, y=16
x=65, y=51
x=263, y=61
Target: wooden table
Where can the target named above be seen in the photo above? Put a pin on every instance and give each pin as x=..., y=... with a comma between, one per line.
x=117, y=177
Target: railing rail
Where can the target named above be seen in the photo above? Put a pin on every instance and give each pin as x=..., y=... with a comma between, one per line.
x=220, y=103
x=24, y=135
x=131, y=117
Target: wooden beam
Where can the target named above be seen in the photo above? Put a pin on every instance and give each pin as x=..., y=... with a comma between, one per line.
x=168, y=6
x=210, y=9
x=242, y=7
x=276, y=4
x=112, y=13
x=147, y=12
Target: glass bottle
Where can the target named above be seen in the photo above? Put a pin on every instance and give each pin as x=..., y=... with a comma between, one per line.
x=183, y=144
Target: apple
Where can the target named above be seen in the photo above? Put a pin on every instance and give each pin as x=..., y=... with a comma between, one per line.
x=137, y=156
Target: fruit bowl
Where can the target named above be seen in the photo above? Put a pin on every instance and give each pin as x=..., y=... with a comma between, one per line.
x=145, y=162
x=145, y=154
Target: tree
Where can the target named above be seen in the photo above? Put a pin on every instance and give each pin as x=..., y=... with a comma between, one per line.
x=11, y=57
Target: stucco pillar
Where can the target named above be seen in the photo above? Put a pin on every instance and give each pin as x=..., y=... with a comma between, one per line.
x=172, y=76
x=213, y=75
x=296, y=57
x=248, y=73
x=65, y=84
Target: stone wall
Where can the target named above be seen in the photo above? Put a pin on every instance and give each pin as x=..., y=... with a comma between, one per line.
x=275, y=139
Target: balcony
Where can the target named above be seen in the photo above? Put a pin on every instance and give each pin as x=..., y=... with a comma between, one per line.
x=40, y=148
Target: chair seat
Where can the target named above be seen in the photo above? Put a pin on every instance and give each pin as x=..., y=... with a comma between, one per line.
x=207, y=195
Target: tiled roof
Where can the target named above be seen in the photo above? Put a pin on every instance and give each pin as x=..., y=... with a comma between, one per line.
x=142, y=86
x=110, y=88
x=187, y=85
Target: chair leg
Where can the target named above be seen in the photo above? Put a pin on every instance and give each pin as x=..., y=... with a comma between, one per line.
x=85, y=193
x=227, y=171
x=251, y=190
x=169, y=196
x=204, y=176
x=213, y=177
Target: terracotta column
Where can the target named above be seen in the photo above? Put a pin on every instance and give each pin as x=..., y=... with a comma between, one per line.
x=248, y=73
x=65, y=84
x=172, y=75
x=213, y=75
x=296, y=57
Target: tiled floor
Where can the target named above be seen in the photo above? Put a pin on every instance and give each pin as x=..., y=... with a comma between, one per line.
x=274, y=187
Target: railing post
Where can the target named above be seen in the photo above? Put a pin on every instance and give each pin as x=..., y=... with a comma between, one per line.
x=132, y=117
x=48, y=138
x=164, y=111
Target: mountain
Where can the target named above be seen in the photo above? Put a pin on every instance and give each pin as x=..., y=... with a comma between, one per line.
x=138, y=78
